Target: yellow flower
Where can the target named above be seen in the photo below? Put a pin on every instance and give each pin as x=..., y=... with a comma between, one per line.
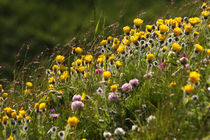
x=111, y=58
x=164, y=48
x=118, y=64
x=178, y=19
x=172, y=84
x=72, y=121
x=150, y=57
x=5, y=118
x=78, y=61
x=88, y=58
x=132, y=31
x=194, y=77
x=22, y=112
x=172, y=22
x=176, y=47
x=1, y=87
x=188, y=28
x=134, y=39
x=60, y=58
x=29, y=85
x=204, y=5
x=62, y=78
x=205, y=14
x=51, y=87
x=66, y=74
x=54, y=67
x=194, y=20
x=198, y=48
x=115, y=40
x=51, y=80
x=195, y=33
x=87, y=74
x=188, y=89
x=78, y=50
x=19, y=117
x=81, y=69
x=107, y=74
x=28, y=118
x=60, y=91
x=5, y=95
x=103, y=42
x=109, y=38
x=11, y=138
x=36, y=105
x=163, y=28
x=126, y=42
x=121, y=48
x=62, y=67
x=115, y=46
x=13, y=114
x=100, y=60
x=159, y=22
x=27, y=91
x=208, y=52
x=149, y=28
x=42, y=106
x=177, y=31
x=83, y=96
x=113, y=88
x=8, y=110
x=161, y=37
x=126, y=29
x=137, y=22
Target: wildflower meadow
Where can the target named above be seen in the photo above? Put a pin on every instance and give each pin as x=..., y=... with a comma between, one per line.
x=150, y=81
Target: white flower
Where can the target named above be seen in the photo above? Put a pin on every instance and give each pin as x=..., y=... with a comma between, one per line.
x=119, y=131
x=61, y=134
x=195, y=97
x=25, y=128
x=100, y=91
x=52, y=130
x=135, y=128
x=150, y=118
x=107, y=134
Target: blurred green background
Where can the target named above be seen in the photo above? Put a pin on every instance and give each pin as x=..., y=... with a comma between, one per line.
x=41, y=24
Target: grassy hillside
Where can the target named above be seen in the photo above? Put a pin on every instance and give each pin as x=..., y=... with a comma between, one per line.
x=44, y=24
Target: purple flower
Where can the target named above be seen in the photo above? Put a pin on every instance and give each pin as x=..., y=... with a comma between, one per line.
x=54, y=115
x=77, y=105
x=76, y=98
x=52, y=110
x=134, y=82
x=112, y=97
x=98, y=71
x=126, y=87
x=186, y=66
x=148, y=75
x=162, y=64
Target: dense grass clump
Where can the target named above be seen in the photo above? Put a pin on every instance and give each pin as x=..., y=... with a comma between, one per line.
x=151, y=82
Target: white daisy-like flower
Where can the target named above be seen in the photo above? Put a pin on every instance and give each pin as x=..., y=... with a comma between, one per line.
x=119, y=131
x=150, y=118
x=107, y=134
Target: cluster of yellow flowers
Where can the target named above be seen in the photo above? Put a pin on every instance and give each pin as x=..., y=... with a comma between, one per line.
x=29, y=85
x=40, y=107
x=194, y=78
x=3, y=95
x=12, y=114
